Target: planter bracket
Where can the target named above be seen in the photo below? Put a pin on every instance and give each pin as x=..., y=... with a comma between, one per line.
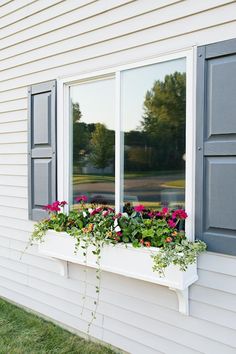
x=183, y=299
x=64, y=270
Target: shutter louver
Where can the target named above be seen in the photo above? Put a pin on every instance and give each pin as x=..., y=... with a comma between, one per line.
x=42, y=148
x=216, y=147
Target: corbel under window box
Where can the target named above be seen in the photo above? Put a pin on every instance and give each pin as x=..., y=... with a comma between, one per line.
x=120, y=259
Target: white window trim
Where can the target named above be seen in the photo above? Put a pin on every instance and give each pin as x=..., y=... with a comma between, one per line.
x=63, y=128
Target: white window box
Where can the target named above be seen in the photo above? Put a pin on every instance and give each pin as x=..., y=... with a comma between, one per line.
x=120, y=259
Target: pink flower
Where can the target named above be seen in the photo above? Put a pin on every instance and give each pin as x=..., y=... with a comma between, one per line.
x=117, y=216
x=63, y=203
x=111, y=209
x=151, y=214
x=171, y=223
x=52, y=207
x=164, y=212
x=55, y=206
x=119, y=233
x=105, y=213
x=179, y=214
x=93, y=212
x=81, y=198
x=139, y=208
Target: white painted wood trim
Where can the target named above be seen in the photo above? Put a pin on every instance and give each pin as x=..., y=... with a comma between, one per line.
x=118, y=147
x=190, y=142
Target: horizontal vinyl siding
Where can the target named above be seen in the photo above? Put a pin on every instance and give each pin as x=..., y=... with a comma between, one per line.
x=46, y=39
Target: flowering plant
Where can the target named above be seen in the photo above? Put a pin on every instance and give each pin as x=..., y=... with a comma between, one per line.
x=98, y=225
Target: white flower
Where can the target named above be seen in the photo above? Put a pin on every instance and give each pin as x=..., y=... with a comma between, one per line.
x=117, y=228
x=84, y=214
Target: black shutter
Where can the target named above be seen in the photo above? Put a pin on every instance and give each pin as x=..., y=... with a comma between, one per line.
x=216, y=147
x=41, y=148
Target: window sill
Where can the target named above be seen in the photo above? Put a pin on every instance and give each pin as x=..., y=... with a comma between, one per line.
x=120, y=259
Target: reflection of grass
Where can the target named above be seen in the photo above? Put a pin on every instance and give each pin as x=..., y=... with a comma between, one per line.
x=158, y=205
x=92, y=179
x=80, y=179
x=179, y=183
x=130, y=175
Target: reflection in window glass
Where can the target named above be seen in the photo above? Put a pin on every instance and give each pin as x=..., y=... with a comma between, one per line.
x=93, y=155
x=153, y=103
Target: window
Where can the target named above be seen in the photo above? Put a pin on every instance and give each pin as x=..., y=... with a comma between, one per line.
x=93, y=136
x=153, y=106
x=131, y=135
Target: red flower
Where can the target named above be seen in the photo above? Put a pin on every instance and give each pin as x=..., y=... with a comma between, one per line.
x=147, y=244
x=171, y=223
x=81, y=198
x=93, y=212
x=164, y=212
x=53, y=207
x=139, y=208
x=179, y=214
x=63, y=203
x=119, y=233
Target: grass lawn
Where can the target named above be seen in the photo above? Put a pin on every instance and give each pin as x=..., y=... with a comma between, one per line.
x=24, y=333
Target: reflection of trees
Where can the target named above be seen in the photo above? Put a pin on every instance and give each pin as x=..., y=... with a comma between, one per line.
x=93, y=144
x=161, y=143
x=102, y=147
x=158, y=145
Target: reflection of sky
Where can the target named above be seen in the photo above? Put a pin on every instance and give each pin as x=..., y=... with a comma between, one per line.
x=97, y=101
x=97, y=98
x=134, y=85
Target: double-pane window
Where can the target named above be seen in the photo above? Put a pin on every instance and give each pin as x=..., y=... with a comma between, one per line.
x=150, y=145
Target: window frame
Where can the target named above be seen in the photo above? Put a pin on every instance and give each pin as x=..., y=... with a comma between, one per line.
x=64, y=134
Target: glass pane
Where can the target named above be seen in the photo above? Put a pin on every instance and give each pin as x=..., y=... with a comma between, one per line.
x=153, y=105
x=93, y=155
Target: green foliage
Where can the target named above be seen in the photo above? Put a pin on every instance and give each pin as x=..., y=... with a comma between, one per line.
x=181, y=255
x=100, y=225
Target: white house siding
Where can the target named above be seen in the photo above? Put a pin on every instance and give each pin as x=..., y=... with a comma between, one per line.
x=46, y=39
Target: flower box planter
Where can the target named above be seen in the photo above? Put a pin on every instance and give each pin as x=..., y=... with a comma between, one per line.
x=120, y=259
